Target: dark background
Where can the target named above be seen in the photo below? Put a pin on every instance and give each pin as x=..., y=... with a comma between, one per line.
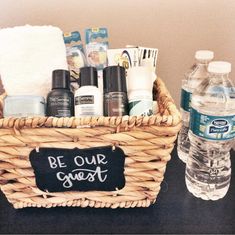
x=176, y=211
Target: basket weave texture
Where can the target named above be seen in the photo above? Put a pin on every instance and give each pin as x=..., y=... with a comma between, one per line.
x=147, y=142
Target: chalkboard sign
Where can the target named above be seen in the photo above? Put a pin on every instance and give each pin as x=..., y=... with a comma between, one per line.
x=59, y=170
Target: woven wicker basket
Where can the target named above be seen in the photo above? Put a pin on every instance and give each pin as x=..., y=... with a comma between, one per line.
x=147, y=142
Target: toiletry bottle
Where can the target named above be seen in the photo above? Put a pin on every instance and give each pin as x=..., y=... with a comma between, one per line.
x=88, y=98
x=115, y=92
x=60, y=101
x=140, y=86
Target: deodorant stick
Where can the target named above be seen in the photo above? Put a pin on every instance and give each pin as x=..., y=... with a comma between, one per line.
x=140, y=87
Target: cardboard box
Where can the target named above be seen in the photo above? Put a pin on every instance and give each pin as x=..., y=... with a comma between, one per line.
x=126, y=57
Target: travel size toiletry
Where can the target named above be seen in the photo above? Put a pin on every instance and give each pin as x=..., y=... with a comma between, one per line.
x=60, y=101
x=24, y=106
x=96, y=47
x=88, y=98
x=140, y=87
x=115, y=92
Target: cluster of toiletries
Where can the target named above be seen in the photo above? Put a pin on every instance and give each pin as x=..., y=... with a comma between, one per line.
x=208, y=132
x=96, y=80
x=121, y=96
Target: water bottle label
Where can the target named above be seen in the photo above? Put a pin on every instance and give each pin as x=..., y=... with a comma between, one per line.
x=212, y=127
x=185, y=103
x=141, y=107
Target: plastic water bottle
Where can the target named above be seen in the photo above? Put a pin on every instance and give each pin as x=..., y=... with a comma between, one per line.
x=194, y=77
x=212, y=132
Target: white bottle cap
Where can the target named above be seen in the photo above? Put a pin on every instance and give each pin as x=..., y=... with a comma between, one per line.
x=204, y=55
x=219, y=67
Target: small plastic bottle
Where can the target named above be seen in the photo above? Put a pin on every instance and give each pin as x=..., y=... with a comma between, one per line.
x=88, y=98
x=193, y=78
x=140, y=91
x=60, y=101
x=212, y=132
x=115, y=91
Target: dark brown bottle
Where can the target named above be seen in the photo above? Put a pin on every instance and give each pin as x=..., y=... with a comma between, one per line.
x=115, y=92
x=60, y=101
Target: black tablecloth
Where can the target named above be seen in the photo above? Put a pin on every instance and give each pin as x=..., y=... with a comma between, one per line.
x=176, y=211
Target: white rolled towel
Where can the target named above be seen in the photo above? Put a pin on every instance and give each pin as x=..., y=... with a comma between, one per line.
x=28, y=55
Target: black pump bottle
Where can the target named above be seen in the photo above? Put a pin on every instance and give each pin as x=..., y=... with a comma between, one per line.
x=60, y=101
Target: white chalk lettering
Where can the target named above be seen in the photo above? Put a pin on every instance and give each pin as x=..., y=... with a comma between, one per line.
x=82, y=175
x=97, y=159
x=52, y=162
x=55, y=162
x=79, y=161
x=61, y=164
x=101, y=158
x=92, y=161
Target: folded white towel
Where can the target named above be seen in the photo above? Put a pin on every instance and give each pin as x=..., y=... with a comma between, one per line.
x=28, y=55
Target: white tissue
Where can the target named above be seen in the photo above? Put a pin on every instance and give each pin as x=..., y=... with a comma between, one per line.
x=28, y=55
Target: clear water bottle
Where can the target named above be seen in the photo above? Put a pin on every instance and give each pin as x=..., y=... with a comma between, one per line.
x=197, y=73
x=212, y=132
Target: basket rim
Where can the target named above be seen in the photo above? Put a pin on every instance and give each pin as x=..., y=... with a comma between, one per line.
x=168, y=115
